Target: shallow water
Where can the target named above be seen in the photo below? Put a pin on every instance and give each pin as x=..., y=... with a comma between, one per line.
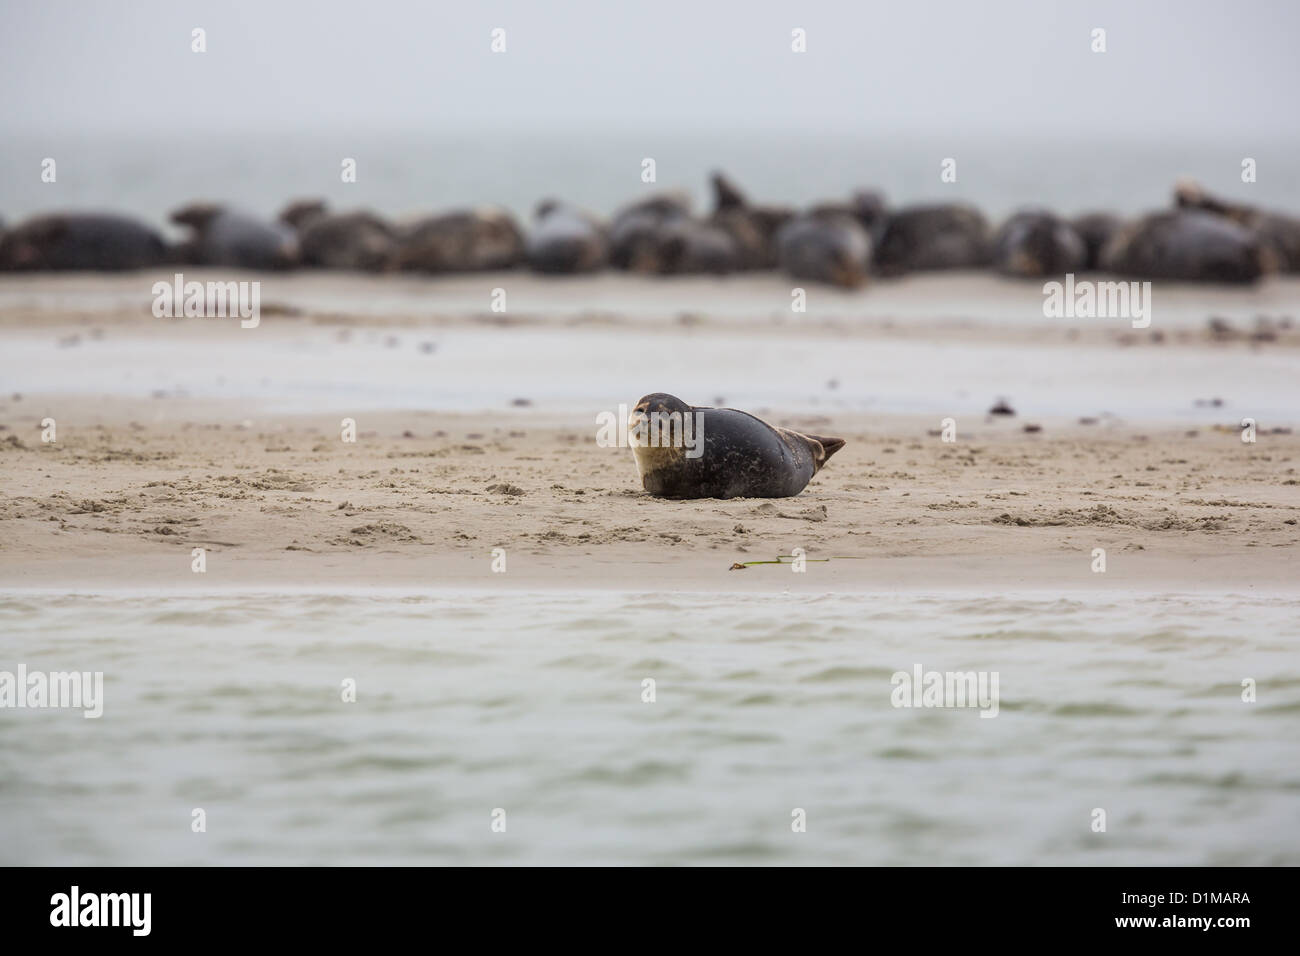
x=308, y=368
x=532, y=703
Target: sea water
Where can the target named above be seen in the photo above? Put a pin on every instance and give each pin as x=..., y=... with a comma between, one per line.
x=530, y=710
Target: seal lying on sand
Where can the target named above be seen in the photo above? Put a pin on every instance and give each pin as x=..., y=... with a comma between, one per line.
x=752, y=228
x=634, y=230
x=825, y=245
x=693, y=247
x=564, y=239
x=1035, y=243
x=228, y=237
x=1187, y=244
x=475, y=240
x=933, y=237
x=1095, y=229
x=1281, y=234
x=355, y=240
x=81, y=241
x=687, y=452
x=659, y=236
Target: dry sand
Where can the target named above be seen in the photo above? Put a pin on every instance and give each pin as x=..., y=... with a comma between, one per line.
x=423, y=498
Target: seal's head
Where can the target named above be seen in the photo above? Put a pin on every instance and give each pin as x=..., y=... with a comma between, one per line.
x=660, y=402
x=1188, y=192
x=657, y=431
x=29, y=246
x=726, y=194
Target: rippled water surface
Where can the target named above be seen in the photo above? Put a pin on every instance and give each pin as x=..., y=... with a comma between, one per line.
x=532, y=703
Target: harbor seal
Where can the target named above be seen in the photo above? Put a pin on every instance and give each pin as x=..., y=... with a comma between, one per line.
x=1280, y=233
x=752, y=228
x=354, y=240
x=634, y=232
x=1035, y=243
x=564, y=239
x=77, y=241
x=1188, y=244
x=825, y=245
x=1095, y=229
x=660, y=236
x=955, y=236
x=692, y=247
x=683, y=451
x=227, y=237
x=868, y=206
x=477, y=240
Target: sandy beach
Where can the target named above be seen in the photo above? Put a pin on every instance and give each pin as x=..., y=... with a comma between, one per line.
x=156, y=463
x=427, y=498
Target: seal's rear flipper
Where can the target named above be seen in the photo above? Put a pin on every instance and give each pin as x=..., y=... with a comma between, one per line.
x=831, y=446
x=196, y=215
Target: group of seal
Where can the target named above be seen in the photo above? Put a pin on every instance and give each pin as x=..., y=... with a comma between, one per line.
x=840, y=243
x=1201, y=239
x=306, y=234
x=742, y=455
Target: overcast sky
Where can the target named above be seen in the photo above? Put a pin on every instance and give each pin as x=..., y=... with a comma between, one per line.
x=1195, y=68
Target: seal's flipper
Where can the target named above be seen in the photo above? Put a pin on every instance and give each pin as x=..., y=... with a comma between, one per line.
x=829, y=445
x=196, y=215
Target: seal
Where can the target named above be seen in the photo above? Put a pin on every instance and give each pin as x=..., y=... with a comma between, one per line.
x=694, y=247
x=635, y=230
x=683, y=451
x=955, y=236
x=1280, y=233
x=1095, y=229
x=355, y=240
x=826, y=244
x=1188, y=244
x=89, y=241
x=868, y=206
x=227, y=237
x=565, y=239
x=1035, y=243
x=476, y=240
x=659, y=236
x=752, y=228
